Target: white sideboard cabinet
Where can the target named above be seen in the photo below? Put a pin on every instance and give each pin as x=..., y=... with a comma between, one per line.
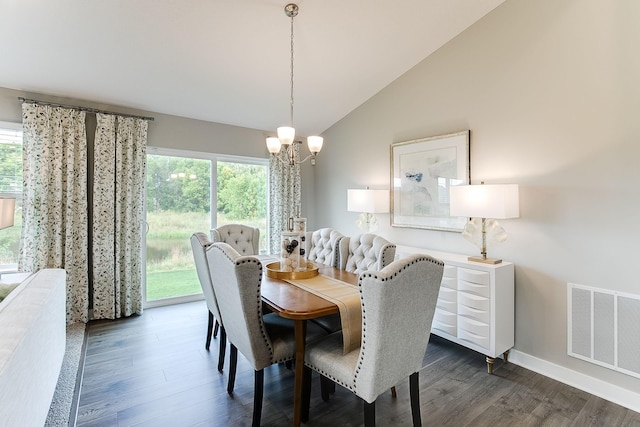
x=475, y=305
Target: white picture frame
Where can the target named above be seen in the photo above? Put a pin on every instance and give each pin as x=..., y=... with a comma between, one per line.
x=422, y=171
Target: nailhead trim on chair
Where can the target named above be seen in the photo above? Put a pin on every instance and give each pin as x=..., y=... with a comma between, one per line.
x=259, y=304
x=336, y=253
x=258, y=299
x=385, y=255
x=364, y=316
x=352, y=387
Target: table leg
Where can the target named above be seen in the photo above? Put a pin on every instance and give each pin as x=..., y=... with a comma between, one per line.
x=300, y=328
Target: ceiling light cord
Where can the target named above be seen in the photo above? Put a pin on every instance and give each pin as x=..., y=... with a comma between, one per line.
x=292, y=13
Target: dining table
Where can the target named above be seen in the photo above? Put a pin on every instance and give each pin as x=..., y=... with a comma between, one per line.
x=295, y=303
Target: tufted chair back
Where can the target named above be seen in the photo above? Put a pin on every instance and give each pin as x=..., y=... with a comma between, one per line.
x=199, y=244
x=237, y=288
x=244, y=239
x=322, y=246
x=365, y=252
x=398, y=305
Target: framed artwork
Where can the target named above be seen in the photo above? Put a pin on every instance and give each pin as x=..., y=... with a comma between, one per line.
x=422, y=172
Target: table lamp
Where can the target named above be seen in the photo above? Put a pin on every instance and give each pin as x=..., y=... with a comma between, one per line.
x=368, y=202
x=488, y=202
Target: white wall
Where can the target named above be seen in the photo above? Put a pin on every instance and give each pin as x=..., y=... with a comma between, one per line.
x=550, y=92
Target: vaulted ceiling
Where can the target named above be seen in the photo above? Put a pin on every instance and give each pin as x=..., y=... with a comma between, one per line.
x=224, y=61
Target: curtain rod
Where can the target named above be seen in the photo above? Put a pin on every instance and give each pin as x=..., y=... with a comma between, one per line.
x=88, y=110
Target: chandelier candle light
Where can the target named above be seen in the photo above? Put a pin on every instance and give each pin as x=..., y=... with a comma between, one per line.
x=485, y=201
x=287, y=134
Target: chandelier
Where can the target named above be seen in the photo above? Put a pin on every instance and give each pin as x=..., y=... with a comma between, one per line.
x=287, y=134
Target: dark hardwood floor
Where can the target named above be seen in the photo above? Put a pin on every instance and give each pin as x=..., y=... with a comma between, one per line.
x=153, y=370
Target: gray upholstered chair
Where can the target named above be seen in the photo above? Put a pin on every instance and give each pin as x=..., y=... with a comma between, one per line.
x=322, y=246
x=398, y=304
x=263, y=340
x=365, y=252
x=199, y=244
x=358, y=254
x=244, y=239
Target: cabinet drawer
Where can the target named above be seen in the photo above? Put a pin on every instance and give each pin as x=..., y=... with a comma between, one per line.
x=449, y=282
x=473, y=326
x=482, y=341
x=473, y=301
x=447, y=294
x=445, y=318
x=474, y=276
x=450, y=306
x=474, y=288
x=450, y=272
x=441, y=327
x=473, y=313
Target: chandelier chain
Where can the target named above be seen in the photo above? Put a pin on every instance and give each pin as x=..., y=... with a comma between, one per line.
x=291, y=74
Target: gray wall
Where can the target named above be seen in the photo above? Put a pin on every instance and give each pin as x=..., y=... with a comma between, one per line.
x=550, y=92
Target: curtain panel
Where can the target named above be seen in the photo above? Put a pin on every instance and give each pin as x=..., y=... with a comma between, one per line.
x=54, y=213
x=118, y=200
x=284, y=194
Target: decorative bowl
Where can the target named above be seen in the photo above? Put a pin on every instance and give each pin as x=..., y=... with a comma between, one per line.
x=273, y=271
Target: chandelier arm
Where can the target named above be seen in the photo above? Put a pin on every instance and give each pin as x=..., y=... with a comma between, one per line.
x=310, y=156
x=277, y=157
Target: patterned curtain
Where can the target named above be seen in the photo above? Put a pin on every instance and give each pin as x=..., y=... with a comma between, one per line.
x=284, y=195
x=118, y=194
x=54, y=212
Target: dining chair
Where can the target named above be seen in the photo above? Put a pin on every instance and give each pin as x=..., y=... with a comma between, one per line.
x=365, y=252
x=199, y=244
x=262, y=339
x=242, y=238
x=398, y=304
x=323, y=246
x=357, y=254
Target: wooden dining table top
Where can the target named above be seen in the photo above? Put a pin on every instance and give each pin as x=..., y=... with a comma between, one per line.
x=292, y=302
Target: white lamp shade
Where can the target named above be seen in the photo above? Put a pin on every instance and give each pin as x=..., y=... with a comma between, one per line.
x=485, y=201
x=286, y=135
x=7, y=212
x=369, y=201
x=273, y=145
x=315, y=144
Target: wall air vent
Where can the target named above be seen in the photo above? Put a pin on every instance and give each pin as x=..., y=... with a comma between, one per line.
x=604, y=328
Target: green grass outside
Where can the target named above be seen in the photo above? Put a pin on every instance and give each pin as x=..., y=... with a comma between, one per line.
x=170, y=267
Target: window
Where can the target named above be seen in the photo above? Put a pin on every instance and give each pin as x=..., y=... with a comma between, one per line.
x=182, y=200
x=11, y=186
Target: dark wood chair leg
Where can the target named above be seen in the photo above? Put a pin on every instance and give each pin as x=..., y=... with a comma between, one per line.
x=288, y=364
x=209, y=331
x=215, y=329
x=369, y=414
x=257, y=397
x=414, y=392
x=306, y=394
x=223, y=346
x=233, y=363
x=325, y=387
x=394, y=393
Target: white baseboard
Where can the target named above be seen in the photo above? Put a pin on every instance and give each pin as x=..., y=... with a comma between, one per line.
x=605, y=390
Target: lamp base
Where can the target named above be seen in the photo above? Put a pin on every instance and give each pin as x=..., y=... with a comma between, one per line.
x=484, y=260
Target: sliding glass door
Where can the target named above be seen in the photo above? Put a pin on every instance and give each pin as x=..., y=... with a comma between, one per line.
x=181, y=200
